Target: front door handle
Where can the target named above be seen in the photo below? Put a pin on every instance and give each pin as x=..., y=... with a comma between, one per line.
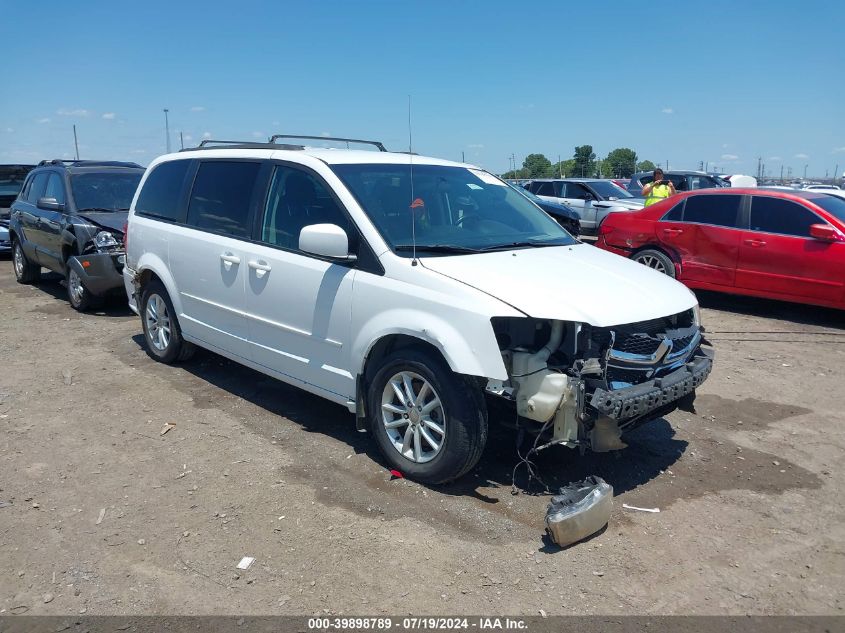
x=260, y=268
x=754, y=243
x=673, y=231
x=229, y=259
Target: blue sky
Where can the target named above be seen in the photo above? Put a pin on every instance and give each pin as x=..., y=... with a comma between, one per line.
x=674, y=81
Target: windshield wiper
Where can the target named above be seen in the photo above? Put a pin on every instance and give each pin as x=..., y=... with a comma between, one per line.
x=534, y=244
x=437, y=248
x=99, y=210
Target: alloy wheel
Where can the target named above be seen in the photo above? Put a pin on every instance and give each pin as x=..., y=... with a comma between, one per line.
x=19, y=261
x=158, y=322
x=413, y=417
x=653, y=262
x=74, y=283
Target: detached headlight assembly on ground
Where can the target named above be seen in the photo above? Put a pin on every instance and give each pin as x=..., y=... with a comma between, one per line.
x=105, y=240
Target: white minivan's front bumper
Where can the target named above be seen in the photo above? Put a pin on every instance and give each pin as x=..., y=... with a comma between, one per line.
x=129, y=285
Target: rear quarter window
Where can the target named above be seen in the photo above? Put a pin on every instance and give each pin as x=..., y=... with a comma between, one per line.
x=220, y=199
x=162, y=192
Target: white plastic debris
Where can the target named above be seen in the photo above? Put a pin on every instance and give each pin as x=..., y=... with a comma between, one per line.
x=245, y=563
x=579, y=510
x=627, y=507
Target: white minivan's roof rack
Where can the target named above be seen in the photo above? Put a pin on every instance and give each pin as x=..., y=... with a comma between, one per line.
x=377, y=144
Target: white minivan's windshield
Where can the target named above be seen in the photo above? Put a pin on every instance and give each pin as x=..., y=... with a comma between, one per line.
x=448, y=210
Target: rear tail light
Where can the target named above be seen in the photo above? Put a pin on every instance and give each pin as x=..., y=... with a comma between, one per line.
x=125, y=236
x=605, y=229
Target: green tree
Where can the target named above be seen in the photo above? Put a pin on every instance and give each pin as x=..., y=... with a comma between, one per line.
x=584, y=160
x=538, y=166
x=646, y=165
x=620, y=163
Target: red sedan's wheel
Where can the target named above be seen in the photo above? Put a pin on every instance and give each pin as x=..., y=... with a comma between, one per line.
x=656, y=260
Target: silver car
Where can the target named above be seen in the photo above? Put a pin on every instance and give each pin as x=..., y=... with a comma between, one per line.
x=591, y=198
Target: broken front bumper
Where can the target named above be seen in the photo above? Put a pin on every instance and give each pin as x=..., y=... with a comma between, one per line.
x=100, y=273
x=638, y=400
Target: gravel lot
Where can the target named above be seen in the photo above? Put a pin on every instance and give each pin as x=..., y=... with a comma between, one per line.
x=101, y=514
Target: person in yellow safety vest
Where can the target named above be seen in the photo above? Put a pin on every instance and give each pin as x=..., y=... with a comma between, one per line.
x=658, y=189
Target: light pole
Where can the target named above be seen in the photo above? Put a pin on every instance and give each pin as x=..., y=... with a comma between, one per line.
x=167, y=129
x=805, y=172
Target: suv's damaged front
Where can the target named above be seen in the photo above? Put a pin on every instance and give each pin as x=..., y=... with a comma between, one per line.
x=101, y=256
x=587, y=385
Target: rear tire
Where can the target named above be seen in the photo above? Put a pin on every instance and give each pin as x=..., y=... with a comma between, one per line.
x=25, y=271
x=656, y=260
x=162, y=334
x=441, y=434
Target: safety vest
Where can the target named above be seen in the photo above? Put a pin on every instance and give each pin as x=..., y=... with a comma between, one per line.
x=658, y=193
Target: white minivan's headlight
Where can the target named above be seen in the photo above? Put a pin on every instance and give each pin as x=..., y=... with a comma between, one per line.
x=105, y=239
x=696, y=315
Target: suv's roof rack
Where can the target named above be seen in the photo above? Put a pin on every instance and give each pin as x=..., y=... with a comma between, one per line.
x=88, y=163
x=209, y=143
x=378, y=144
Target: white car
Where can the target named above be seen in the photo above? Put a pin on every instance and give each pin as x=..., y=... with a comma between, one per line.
x=410, y=290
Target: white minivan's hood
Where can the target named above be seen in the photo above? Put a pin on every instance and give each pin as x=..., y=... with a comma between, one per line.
x=569, y=283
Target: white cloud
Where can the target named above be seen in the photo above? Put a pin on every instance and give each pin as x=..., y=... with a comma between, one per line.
x=730, y=157
x=187, y=137
x=206, y=134
x=668, y=111
x=9, y=130
x=276, y=123
x=109, y=116
x=724, y=146
x=258, y=135
x=139, y=151
x=325, y=133
x=774, y=158
x=802, y=156
x=77, y=112
x=44, y=120
x=198, y=109
x=476, y=146
x=838, y=150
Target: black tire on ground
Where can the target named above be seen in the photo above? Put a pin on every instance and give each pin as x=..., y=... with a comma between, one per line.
x=25, y=271
x=463, y=417
x=78, y=295
x=162, y=334
x=656, y=260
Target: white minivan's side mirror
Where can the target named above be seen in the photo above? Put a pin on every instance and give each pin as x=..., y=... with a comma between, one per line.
x=325, y=240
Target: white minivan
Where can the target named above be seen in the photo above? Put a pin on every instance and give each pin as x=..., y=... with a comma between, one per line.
x=409, y=289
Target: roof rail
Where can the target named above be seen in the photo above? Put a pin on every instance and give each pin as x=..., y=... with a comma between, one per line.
x=378, y=144
x=88, y=163
x=209, y=143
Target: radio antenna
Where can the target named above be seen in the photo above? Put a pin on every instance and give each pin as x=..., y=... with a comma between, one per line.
x=413, y=200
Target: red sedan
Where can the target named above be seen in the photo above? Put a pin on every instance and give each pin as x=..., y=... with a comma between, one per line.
x=772, y=243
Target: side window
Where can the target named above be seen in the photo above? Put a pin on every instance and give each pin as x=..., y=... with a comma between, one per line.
x=645, y=180
x=297, y=200
x=544, y=188
x=162, y=190
x=775, y=215
x=575, y=190
x=675, y=214
x=709, y=209
x=55, y=188
x=681, y=183
x=221, y=197
x=36, y=189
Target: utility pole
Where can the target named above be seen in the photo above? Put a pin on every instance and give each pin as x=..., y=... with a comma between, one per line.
x=75, y=142
x=805, y=172
x=167, y=129
x=835, y=172
x=560, y=167
x=181, y=140
x=667, y=164
x=781, y=174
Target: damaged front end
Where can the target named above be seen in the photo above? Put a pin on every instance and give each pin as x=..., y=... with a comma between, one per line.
x=101, y=259
x=587, y=385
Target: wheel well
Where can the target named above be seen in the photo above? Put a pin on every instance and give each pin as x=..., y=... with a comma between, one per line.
x=655, y=247
x=145, y=277
x=389, y=344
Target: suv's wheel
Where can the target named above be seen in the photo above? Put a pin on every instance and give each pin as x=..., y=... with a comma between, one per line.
x=655, y=260
x=161, y=329
x=430, y=423
x=79, y=296
x=25, y=271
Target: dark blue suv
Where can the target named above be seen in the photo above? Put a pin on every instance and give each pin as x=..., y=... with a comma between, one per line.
x=69, y=218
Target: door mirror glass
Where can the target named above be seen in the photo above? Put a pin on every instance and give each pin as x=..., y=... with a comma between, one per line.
x=50, y=204
x=825, y=232
x=325, y=240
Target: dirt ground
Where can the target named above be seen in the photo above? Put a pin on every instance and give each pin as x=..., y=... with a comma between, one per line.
x=101, y=514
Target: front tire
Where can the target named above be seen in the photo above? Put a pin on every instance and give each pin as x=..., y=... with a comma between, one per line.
x=656, y=260
x=430, y=423
x=78, y=295
x=25, y=271
x=162, y=334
